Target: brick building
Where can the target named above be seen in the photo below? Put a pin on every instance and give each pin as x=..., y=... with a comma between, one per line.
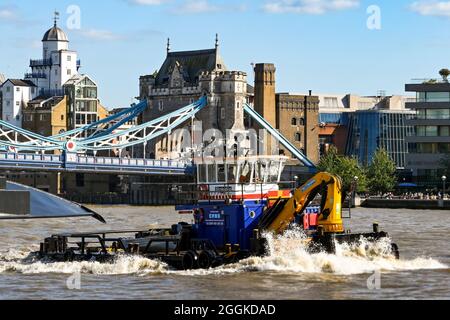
x=182, y=79
x=295, y=116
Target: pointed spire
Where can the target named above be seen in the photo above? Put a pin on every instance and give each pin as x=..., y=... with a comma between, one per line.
x=217, y=40
x=168, y=45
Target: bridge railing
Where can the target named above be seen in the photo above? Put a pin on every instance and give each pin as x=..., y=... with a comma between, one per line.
x=30, y=157
x=129, y=162
x=75, y=162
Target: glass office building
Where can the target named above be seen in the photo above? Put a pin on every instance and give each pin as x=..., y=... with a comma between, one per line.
x=430, y=142
x=374, y=129
x=339, y=118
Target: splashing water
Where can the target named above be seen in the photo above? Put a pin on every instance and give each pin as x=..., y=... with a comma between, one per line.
x=287, y=254
x=22, y=262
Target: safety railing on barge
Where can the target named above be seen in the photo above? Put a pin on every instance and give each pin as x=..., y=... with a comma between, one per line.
x=192, y=193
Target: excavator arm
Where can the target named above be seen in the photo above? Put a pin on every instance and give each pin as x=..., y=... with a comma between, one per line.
x=284, y=211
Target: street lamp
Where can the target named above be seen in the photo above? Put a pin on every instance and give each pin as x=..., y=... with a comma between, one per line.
x=443, y=186
x=296, y=182
x=355, y=185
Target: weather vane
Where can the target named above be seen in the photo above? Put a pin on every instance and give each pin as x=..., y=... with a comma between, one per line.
x=56, y=17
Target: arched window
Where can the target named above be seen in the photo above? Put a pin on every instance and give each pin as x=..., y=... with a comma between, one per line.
x=298, y=136
x=294, y=121
x=302, y=121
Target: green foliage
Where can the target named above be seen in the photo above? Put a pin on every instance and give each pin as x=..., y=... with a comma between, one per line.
x=345, y=167
x=381, y=173
x=444, y=74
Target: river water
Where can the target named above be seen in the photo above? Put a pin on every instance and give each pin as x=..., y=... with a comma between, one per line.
x=289, y=272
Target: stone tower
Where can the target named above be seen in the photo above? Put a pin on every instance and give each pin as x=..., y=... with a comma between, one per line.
x=265, y=97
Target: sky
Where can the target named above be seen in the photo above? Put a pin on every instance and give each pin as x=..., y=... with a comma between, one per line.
x=327, y=46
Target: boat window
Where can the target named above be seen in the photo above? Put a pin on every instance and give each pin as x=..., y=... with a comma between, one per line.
x=202, y=173
x=259, y=172
x=221, y=173
x=231, y=173
x=273, y=170
x=245, y=173
x=212, y=173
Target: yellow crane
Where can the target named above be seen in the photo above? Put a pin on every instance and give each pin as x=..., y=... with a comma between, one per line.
x=284, y=212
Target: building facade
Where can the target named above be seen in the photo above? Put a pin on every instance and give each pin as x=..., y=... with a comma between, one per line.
x=15, y=94
x=430, y=141
x=370, y=130
x=182, y=79
x=294, y=115
x=58, y=63
x=46, y=82
x=46, y=117
x=83, y=106
x=77, y=107
x=297, y=120
x=359, y=125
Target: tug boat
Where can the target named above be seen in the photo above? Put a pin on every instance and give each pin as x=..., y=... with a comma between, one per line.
x=235, y=204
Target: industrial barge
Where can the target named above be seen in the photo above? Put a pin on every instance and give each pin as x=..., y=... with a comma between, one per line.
x=237, y=204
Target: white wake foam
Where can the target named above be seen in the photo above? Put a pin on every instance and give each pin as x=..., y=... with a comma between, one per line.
x=17, y=261
x=287, y=254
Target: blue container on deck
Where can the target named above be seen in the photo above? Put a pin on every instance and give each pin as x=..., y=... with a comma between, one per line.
x=229, y=223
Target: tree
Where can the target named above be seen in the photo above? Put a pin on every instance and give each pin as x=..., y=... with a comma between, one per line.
x=444, y=74
x=381, y=173
x=347, y=168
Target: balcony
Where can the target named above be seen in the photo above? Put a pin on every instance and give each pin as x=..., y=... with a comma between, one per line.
x=35, y=76
x=41, y=63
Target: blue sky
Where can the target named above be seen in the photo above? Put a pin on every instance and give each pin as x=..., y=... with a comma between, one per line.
x=322, y=45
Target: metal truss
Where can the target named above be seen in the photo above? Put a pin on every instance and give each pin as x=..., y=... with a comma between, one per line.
x=101, y=134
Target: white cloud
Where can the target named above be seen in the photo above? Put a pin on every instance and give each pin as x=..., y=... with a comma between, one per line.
x=198, y=6
x=432, y=8
x=11, y=15
x=309, y=6
x=204, y=6
x=106, y=35
x=148, y=2
x=102, y=35
x=192, y=6
x=7, y=13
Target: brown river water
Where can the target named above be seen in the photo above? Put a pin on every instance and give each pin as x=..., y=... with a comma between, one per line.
x=289, y=272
